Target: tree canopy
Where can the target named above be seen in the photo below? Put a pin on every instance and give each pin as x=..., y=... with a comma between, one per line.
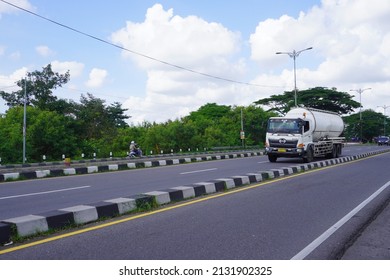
x=318, y=97
x=38, y=87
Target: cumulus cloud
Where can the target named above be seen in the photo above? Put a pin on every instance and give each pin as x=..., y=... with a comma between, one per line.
x=7, y=81
x=350, y=40
x=5, y=8
x=351, y=47
x=97, y=78
x=187, y=42
x=349, y=36
x=75, y=68
x=44, y=51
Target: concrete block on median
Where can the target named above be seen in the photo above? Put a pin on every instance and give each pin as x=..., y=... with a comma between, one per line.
x=58, y=219
x=229, y=183
x=174, y=194
x=29, y=225
x=105, y=209
x=162, y=162
x=92, y=169
x=256, y=177
x=188, y=192
x=288, y=171
x=5, y=233
x=69, y=171
x=220, y=185
x=244, y=179
x=269, y=174
x=42, y=173
x=82, y=213
x=209, y=187
x=11, y=176
x=278, y=172
x=113, y=167
x=125, y=205
x=161, y=197
x=131, y=165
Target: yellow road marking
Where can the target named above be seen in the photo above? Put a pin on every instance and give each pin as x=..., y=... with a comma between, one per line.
x=168, y=208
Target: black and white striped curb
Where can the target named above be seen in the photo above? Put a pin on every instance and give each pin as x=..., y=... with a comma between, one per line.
x=78, y=215
x=114, y=167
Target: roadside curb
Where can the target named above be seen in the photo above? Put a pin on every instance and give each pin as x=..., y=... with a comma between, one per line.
x=115, y=167
x=30, y=225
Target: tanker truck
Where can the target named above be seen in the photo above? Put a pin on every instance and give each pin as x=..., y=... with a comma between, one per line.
x=304, y=133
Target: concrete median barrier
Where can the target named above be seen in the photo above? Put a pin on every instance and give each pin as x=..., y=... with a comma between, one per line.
x=82, y=214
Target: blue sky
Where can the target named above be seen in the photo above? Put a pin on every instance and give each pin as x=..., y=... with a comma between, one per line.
x=236, y=40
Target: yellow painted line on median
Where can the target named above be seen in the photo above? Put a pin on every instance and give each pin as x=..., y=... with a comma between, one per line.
x=178, y=205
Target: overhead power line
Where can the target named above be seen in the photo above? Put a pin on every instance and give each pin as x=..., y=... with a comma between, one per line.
x=135, y=52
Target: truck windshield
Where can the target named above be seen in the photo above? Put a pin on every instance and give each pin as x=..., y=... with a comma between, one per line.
x=291, y=126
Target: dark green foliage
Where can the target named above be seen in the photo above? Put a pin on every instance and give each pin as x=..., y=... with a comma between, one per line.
x=371, y=125
x=318, y=97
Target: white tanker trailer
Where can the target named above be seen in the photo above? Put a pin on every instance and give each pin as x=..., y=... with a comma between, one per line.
x=305, y=133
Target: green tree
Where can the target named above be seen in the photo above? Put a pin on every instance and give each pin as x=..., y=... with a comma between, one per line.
x=318, y=97
x=365, y=130
x=11, y=136
x=96, y=120
x=50, y=134
x=38, y=87
x=47, y=133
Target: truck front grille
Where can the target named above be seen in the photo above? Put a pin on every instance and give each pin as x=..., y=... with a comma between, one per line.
x=282, y=143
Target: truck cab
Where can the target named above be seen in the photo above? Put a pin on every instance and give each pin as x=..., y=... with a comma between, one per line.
x=287, y=137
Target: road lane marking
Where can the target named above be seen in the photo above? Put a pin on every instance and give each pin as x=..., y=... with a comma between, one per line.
x=263, y=161
x=169, y=208
x=319, y=240
x=198, y=171
x=40, y=193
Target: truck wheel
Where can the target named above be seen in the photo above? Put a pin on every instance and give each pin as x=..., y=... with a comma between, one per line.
x=339, y=150
x=272, y=158
x=309, y=155
x=334, y=152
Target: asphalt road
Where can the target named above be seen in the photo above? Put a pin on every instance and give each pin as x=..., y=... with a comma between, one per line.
x=275, y=220
x=37, y=196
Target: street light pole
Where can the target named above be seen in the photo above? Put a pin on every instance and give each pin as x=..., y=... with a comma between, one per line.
x=24, y=120
x=294, y=54
x=384, y=118
x=360, y=91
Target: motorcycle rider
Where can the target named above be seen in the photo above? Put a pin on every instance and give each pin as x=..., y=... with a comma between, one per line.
x=133, y=146
x=135, y=150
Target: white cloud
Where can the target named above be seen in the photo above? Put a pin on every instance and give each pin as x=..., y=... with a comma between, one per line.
x=15, y=55
x=351, y=46
x=44, y=51
x=7, y=81
x=5, y=8
x=189, y=42
x=75, y=68
x=97, y=78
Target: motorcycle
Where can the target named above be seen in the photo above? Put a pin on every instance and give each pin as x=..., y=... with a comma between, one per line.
x=136, y=153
